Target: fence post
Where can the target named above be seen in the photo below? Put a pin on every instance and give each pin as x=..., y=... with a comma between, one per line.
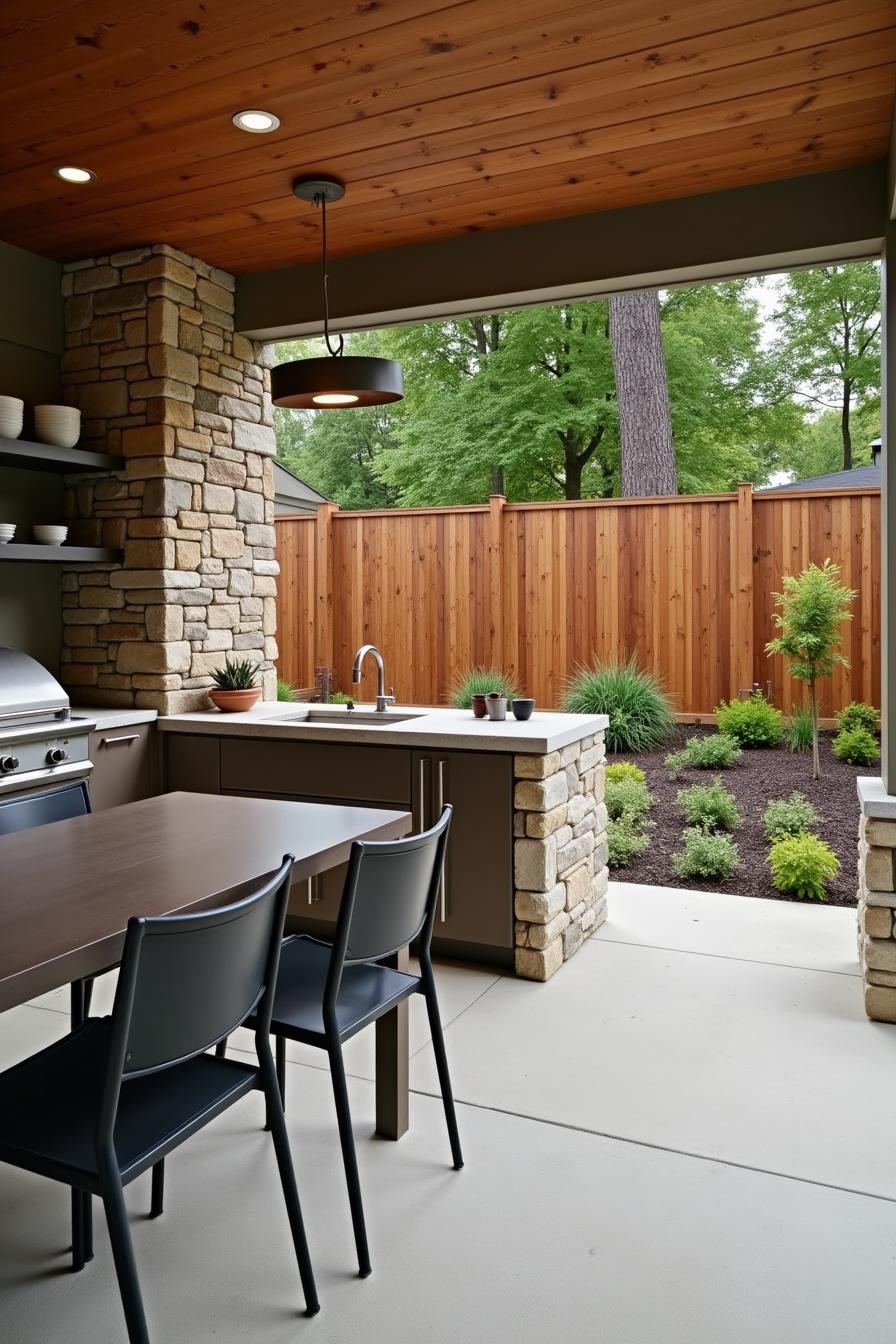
x=323, y=579
x=496, y=595
x=742, y=615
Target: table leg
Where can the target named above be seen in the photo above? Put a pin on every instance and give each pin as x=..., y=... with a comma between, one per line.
x=392, y=1064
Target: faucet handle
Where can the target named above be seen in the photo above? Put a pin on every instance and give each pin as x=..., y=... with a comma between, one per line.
x=390, y=698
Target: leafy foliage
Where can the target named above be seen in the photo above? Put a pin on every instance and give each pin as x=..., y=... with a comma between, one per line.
x=710, y=807
x=858, y=715
x=813, y=608
x=624, y=842
x=714, y=752
x=624, y=770
x=856, y=746
x=752, y=722
x=285, y=690
x=801, y=865
x=798, y=733
x=789, y=816
x=339, y=698
x=627, y=799
x=480, y=681
x=235, y=675
x=705, y=855
x=639, y=710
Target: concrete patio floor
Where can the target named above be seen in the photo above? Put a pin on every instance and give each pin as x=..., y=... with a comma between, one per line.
x=684, y=1138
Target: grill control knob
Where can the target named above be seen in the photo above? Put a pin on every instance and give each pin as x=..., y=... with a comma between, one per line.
x=55, y=756
x=8, y=763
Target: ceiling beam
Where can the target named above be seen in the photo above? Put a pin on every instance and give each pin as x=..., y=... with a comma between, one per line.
x=891, y=166
x=774, y=226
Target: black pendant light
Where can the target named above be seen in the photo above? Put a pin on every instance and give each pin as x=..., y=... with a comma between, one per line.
x=335, y=381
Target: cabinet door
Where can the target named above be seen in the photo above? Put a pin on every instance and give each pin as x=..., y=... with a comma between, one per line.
x=192, y=763
x=123, y=765
x=476, y=902
x=325, y=771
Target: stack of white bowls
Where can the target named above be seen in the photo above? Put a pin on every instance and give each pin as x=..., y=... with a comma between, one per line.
x=7, y=532
x=49, y=535
x=59, y=425
x=11, y=413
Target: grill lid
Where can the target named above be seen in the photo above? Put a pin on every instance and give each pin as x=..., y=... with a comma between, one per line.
x=27, y=690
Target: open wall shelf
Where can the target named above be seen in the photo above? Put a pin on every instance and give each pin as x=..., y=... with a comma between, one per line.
x=46, y=457
x=64, y=555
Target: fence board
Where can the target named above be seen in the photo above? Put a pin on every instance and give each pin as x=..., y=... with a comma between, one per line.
x=684, y=584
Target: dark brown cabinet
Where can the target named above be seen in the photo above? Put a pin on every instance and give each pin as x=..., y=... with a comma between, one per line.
x=124, y=766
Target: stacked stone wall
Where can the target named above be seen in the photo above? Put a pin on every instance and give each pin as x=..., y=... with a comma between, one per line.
x=560, y=854
x=163, y=381
x=877, y=916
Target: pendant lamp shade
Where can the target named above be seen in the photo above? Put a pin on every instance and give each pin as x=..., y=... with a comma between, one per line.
x=334, y=381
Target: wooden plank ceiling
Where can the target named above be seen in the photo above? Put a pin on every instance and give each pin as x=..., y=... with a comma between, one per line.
x=443, y=116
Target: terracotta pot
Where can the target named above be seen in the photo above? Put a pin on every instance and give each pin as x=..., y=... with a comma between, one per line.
x=479, y=706
x=235, y=702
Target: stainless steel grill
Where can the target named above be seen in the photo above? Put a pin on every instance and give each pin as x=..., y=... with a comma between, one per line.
x=41, y=742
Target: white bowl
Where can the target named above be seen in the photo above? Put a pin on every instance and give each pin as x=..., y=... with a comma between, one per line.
x=7, y=532
x=49, y=534
x=12, y=411
x=59, y=425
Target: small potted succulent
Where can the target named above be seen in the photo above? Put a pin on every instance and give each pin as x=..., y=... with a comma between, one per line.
x=235, y=688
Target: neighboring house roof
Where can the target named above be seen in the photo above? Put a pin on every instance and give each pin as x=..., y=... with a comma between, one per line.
x=834, y=480
x=288, y=485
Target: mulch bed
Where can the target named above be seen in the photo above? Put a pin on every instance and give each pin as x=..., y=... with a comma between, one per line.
x=758, y=777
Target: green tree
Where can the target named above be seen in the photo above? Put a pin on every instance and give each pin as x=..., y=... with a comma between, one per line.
x=814, y=606
x=829, y=319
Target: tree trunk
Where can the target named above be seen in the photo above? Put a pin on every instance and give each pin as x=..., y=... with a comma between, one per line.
x=816, y=758
x=573, y=474
x=645, y=421
x=844, y=424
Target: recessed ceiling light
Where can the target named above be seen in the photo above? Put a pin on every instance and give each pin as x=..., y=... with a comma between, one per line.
x=71, y=174
x=256, y=121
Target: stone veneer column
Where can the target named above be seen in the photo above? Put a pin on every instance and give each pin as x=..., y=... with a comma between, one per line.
x=877, y=899
x=560, y=854
x=163, y=381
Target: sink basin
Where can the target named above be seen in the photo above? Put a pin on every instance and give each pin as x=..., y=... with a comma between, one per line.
x=342, y=718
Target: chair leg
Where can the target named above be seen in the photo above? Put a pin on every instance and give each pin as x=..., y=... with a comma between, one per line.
x=349, y=1157
x=82, y=1230
x=157, y=1197
x=438, y=1046
x=221, y=1049
x=123, y=1254
x=277, y=1125
x=280, y=1048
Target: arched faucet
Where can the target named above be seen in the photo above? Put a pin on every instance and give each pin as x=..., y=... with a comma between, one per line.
x=383, y=701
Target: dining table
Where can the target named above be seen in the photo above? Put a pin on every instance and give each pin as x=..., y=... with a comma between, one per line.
x=67, y=890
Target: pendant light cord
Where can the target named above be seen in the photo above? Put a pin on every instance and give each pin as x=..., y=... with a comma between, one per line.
x=322, y=202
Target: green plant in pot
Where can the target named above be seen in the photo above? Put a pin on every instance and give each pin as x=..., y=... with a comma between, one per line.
x=235, y=688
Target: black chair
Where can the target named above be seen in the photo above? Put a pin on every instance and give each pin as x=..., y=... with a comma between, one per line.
x=327, y=993
x=105, y=1103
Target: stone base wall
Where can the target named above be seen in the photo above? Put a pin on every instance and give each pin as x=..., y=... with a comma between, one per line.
x=163, y=381
x=877, y=916
x=560, y=854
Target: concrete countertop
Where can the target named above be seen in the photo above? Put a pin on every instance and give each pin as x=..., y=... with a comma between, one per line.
x=114, y=718
x=448, y=728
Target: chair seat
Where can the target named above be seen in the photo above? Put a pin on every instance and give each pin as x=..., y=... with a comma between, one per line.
x=49, y=1105
x=366, y=992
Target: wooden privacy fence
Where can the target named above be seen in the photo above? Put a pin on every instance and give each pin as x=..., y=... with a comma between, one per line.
x=685, y=584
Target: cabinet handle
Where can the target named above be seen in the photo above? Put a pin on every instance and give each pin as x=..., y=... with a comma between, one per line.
x=310, y=890
x=422, y=793
x=115, y=741
x=443, y=883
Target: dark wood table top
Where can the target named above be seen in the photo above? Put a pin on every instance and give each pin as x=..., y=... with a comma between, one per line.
x=67, y=890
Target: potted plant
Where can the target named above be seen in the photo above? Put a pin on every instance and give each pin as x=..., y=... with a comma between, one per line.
x=235, y=688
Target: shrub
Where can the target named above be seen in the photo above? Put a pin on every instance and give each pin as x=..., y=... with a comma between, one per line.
x=285, y=690
x=339, y=698
x=479, y=681
x=801, y=865
x=624, y=842
x=752, y=722
x=715, y=752
x=710, y=807
x=798, y=733
x=705, y=855
x=627, y=799
x=858, y=715
x=789, y=816
x=639, y=710
x=625, y=770
x=856, y=746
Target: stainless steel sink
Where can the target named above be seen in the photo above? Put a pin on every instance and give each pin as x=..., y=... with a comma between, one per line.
x=342, y=718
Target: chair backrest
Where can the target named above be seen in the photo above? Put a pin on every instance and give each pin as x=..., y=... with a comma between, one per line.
x=187, y=981
x=390, y=895
x=39, y=809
